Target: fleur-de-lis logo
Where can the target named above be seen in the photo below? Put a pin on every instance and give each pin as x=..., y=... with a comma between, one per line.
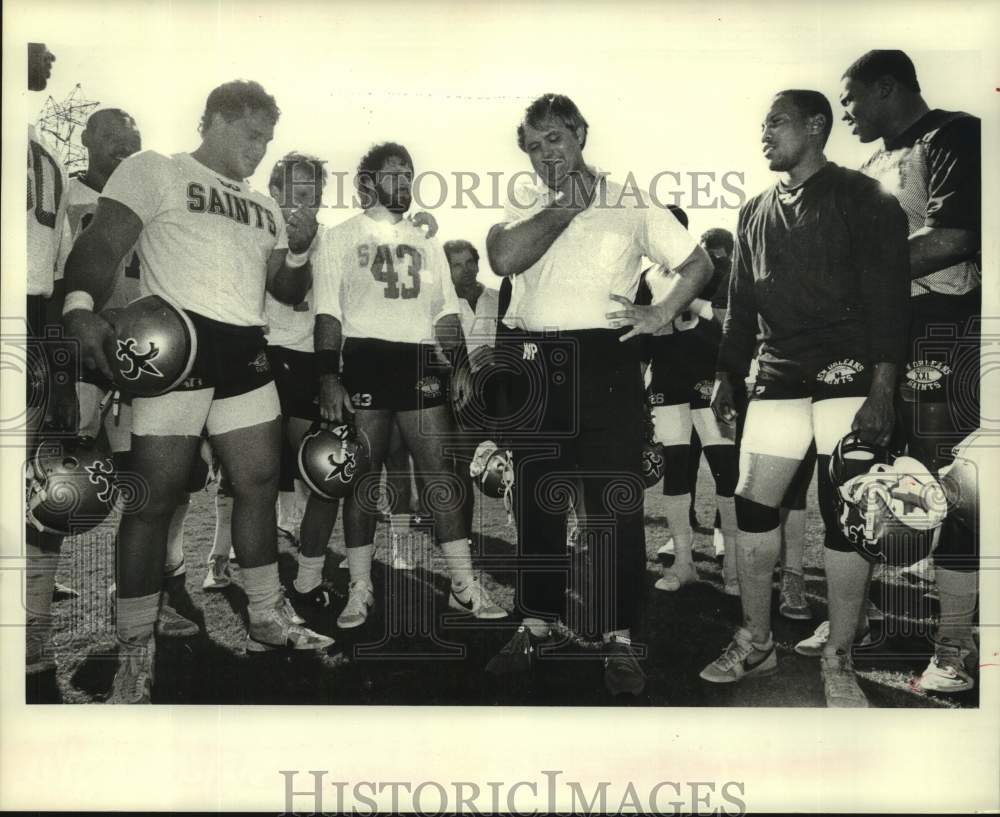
x=139, y=363
x=101, y=473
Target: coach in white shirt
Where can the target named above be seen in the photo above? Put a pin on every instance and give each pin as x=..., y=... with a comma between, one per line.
x=575, y=244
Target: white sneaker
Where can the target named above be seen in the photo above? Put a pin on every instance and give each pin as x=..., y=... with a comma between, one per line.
x=947, y=671
x=740, y=659
x=360, y=597
x=277, y=629
x=475, y=599
x=812, y=647
x=133, y=682
x=840, y=684
x=668, y=547
x=219, y=574
x=675, y=577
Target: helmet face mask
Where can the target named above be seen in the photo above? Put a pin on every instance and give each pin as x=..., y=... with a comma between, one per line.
x=71, y=486
x=889, y=511
x=492, y=470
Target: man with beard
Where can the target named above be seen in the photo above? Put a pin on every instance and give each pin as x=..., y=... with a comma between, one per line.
x=383, y=295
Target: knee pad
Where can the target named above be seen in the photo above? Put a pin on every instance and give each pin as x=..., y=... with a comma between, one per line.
x=723, y=461
x=833, y=536
x=676, y=459
x=752, y=517
x=797, y=493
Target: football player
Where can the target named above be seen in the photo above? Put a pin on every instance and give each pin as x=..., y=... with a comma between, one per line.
x=930, y=161
x=297, y=183
x=383, y=294
x=682, y=368
x=211, y=245
x=820, y=275
x=110, y=136
x=46, y=206
x=572, y=243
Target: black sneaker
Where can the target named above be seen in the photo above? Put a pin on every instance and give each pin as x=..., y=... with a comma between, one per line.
x=319, y=598
x=517, y=655
x=622, y=673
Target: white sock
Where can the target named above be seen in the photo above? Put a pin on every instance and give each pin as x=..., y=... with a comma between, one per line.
x=793, y=539
x=174, y=565
x=40, y=578
x=359, y=563
x=223, y=525
x=957, y=591
x=136, y=617
x=459, y=560
x=729, y=528
x=262, y=587
x=310, y=572
x=286, y=509
x=758, y=554
x=677, y=508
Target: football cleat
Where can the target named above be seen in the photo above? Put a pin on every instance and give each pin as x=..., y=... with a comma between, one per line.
x=279, y=628
x=675, y=577
x=741, y=659
x=153, y=346
x=319, y=598
x=475, y=599
x=133, y=682
x=219, y=575
x=171, y=624
x=622, y=673
x=812, y=647
x=517, y=655
x=332, y=459
x=793, y=603
x=889, y=508
x=71, y=486
x=840, y=683
x=360, y=597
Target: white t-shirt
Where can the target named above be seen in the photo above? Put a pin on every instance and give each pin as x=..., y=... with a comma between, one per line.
x=81, y=202
x=206, y=239
x=292, y=327
x=381, y=280
x=47, y=181
x=599, y=253
x=480, y=325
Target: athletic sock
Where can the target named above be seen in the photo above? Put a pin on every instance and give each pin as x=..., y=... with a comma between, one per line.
x=310, y=573
x=758, y=554
x=680, y=525
x=359, y=563
x=262, y=587
x=223, y=541
x=459, y=560
x=136, y=617
x=793, y=538
x=957, y=592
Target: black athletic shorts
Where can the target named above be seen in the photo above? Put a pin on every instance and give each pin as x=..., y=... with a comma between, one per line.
x=297, y=381
x=382, y=375
x=683, y=365
x=943, y=357
x=821, y=376
x=230, y=359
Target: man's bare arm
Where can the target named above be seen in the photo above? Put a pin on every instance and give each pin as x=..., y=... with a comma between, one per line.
x=288, y=284
x=936, y=248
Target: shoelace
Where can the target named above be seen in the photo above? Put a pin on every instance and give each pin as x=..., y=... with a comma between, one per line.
x=735, y=653
x=356, y=599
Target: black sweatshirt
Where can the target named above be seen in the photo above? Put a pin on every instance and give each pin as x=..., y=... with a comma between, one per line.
x=821, y=269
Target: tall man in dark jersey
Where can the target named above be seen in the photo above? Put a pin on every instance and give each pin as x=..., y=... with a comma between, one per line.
x=930, y=161
x=820, y=275
x=574, y=244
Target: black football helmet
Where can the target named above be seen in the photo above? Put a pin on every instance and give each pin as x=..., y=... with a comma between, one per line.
x=332, y=460
x=153, y=347
x=651, y=463
x=71, y=486
x=889, y=507
x=492, y=470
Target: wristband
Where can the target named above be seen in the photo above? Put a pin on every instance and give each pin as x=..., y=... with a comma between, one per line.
x=294, y=260
x=78, y=299
x=328, y=361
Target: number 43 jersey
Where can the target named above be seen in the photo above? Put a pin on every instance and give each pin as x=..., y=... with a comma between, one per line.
x=382, y=280
x=81, y=202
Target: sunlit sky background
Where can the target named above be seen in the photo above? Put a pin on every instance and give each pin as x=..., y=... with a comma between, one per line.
x=685, y=92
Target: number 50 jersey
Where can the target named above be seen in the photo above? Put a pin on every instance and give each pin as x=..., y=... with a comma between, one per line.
x=382, y=280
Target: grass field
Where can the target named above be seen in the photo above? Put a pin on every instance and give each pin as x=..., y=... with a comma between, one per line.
x=414, y=651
